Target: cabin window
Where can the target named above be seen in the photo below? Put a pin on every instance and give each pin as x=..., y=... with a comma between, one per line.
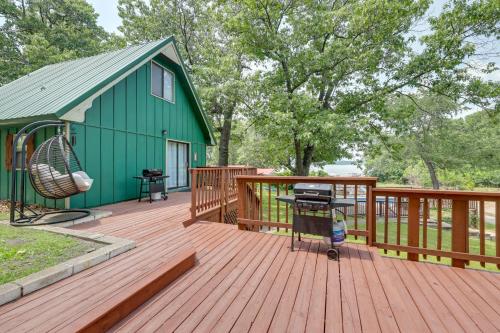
x=162, y=82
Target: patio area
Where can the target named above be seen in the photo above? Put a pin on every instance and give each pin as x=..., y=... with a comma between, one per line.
x=248, y=281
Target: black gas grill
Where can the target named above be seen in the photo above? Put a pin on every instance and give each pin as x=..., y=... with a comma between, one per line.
x=152, y=181
x=312, y=212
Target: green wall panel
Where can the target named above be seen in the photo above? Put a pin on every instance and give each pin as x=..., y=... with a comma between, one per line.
x=120, y=167
x=141, y=100
x=93, y=115
x=93, y=164
x=131, y=167
x=78, y=131
x=120, y=100
x=131, y=100
x=107, y=166
x=107, y=109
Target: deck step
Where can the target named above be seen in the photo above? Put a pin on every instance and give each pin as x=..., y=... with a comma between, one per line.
x=110, y=312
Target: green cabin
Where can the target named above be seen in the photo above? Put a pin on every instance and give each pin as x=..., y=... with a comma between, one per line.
x=125, y=111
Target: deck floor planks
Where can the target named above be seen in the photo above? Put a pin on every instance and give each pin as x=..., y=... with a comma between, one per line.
x=367, y=311
x=260, y=279
x=256, y=284
x=244, y=285
x=216, y=284
x=266, y=289
x=430, y=315
x=452, y=304
x=298, y=318
x=351, y=321
x=464, y=300
x=333, y=317
x=475, y=298
x=287, y=301
x=383, y=310
x=316, y=313
x=406, y=313
x=267, y=310
x=433, y=298
x=214, y=303
x=481, y=286
x=96, y=293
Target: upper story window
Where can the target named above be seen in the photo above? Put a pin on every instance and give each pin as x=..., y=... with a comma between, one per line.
x=162, y=82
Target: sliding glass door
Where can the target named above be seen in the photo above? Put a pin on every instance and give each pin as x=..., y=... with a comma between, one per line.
x=177, y=164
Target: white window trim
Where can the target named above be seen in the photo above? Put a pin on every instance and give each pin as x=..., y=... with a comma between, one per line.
x=173, y=82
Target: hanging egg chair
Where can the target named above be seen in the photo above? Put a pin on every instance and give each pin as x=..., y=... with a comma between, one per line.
x=55, y=171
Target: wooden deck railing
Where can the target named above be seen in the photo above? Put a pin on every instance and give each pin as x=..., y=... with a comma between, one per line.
x=262, y=210
x=213, y=189
x=461, y=226
x=450, y=224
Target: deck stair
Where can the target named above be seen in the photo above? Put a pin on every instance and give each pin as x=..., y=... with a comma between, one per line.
x=117, y=307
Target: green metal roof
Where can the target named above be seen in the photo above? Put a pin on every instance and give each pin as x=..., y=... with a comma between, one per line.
x=53, y=90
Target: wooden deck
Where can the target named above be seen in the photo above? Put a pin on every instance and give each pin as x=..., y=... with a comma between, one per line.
x=251, y=282
x=247, y=281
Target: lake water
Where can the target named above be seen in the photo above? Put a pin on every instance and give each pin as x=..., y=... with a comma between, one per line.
x=341, y=170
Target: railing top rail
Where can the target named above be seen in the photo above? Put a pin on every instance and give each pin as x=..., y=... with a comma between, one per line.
x=310, y=179
x=223, y=168
x=444, y=194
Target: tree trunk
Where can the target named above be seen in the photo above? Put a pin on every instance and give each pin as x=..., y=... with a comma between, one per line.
x=432, y=173
x=225, y=136
x=303, y=159
x=299, y=171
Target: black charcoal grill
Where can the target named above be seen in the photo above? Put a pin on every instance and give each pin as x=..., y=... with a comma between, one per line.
x=312, y=212
x=152, y=181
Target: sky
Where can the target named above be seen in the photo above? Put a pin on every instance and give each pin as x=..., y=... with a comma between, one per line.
x=108, y=14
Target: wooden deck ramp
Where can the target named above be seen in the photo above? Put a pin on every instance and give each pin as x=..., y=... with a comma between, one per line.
x=99, y=297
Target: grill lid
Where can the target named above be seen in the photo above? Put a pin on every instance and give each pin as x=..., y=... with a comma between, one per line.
x=313, y=192
x=152, y=172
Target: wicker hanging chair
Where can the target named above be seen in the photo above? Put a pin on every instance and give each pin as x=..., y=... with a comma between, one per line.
x=55, y=171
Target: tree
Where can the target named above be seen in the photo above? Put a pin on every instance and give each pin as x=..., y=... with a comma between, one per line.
x=217, y=66
x=330, y=65
x=421, y=126
x=40, y=32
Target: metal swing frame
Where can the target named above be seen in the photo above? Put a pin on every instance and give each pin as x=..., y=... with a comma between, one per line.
x=28, y=216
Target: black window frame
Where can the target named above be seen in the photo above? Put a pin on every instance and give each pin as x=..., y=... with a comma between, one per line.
x=163, y=70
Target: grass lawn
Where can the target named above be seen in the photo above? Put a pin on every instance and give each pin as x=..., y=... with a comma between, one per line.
x=24, y=251
x=431, y=232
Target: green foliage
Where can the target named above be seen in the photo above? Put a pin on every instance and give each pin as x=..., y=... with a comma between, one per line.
x=41, y=32
x=464, y=151
x=328, y=68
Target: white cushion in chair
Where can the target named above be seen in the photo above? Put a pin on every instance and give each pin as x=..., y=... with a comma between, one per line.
x=82, y=180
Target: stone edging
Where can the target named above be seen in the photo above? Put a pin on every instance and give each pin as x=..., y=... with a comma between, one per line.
x=26, y=285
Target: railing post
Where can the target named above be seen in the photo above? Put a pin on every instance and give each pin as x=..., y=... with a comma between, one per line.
x=413, y=225
x=241, y=202
x=371, y=216
x=497, y=229
x=459, y=229
x=223, y=194
x=194, y=180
